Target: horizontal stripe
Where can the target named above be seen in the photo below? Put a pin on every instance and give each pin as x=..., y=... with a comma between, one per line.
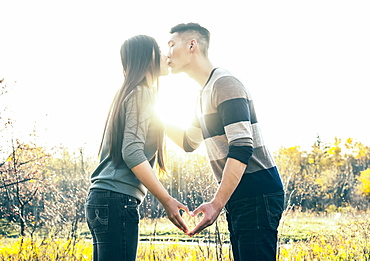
x=239, y=134
x=217, y=147
x=192, y=138
x=212, y=125
x=257, y=136
x=261, y=159
x=236, y=110
x=241, y=153
x=226, y=88
x=255, y=163
x=258, y=183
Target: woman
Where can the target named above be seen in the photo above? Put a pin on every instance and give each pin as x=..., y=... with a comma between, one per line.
x=132, y=142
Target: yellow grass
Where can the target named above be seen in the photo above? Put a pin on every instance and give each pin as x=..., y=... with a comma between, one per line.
x=302, y=237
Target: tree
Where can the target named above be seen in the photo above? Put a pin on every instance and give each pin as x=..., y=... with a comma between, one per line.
x=23, y=181
x=70, y=172
x=364, y=186
x=291, y=162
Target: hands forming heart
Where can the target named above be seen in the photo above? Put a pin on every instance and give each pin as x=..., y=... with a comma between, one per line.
x=209, y=210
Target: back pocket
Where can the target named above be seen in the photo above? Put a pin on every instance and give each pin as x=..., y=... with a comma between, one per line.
x=97, y=217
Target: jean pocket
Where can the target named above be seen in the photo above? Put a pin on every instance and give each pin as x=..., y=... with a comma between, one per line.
x=97, y=217
x=132, y=216
x=274, y=207
x=130, y=202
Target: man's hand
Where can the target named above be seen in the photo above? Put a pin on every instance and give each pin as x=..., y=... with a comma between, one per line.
x=173, y=207
x=210, y=212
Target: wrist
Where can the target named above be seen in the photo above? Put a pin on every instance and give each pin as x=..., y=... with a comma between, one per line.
x=165, y=200
x=218, y=202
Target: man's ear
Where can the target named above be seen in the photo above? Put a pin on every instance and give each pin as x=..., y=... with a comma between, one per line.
x=193, y=45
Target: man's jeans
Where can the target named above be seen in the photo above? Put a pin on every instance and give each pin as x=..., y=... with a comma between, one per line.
x=113, y=220
x=253, y=223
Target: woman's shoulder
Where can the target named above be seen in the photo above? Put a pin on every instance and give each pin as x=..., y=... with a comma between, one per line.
x=141, y=96
x=140, y=93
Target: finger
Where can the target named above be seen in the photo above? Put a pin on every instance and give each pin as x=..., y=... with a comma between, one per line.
x=197, y=211
x=185, y=208
x=177, y=220
x=199, y=227
x=182, y=224
x=176, y=223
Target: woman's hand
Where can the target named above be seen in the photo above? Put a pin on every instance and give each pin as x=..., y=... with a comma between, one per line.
x=173, y=207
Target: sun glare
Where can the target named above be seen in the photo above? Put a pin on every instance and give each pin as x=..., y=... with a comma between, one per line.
x=177, y=100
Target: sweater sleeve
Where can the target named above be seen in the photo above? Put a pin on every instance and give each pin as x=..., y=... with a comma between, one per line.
x=138, y=108
x=237, y=116
x=193, y=136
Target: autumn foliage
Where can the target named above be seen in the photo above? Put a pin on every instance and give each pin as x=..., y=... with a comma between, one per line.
x=328, y=175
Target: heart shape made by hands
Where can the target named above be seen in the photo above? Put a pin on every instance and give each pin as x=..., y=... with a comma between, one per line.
x=196, y=221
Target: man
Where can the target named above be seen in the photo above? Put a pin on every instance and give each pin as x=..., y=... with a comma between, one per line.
x=250, y=187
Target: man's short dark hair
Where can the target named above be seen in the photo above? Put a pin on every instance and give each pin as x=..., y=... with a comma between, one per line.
x=193, y=30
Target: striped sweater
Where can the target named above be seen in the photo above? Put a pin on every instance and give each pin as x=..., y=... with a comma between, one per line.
x=227, y=122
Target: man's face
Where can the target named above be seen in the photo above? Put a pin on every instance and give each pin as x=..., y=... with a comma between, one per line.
x=178, y=54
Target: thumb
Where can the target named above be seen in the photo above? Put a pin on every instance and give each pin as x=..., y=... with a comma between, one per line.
x=196, y=211
x=185, y=208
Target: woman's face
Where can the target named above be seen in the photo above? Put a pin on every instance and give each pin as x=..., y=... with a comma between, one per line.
x=164, y=65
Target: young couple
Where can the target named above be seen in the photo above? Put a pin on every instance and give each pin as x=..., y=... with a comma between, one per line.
x=250, y=188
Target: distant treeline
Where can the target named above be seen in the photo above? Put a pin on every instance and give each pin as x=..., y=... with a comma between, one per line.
x=46, y=190
x=329, y=177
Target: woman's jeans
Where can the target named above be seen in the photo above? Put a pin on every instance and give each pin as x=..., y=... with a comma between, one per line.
x=113, y=220
x=253, y=223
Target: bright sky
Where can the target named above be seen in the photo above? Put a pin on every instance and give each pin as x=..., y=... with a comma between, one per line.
x=307, y=64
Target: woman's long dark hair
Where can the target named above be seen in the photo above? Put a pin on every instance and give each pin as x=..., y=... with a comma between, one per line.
x=139, y=54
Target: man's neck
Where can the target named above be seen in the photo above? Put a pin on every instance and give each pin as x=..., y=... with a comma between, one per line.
x=201, y=71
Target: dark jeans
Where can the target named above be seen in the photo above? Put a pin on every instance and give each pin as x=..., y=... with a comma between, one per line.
x=113, y=220
x=253, y=223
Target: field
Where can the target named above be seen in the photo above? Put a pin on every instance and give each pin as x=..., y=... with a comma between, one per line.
x=303, y=236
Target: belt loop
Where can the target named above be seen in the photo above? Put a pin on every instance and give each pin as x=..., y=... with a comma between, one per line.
x=108, y=193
